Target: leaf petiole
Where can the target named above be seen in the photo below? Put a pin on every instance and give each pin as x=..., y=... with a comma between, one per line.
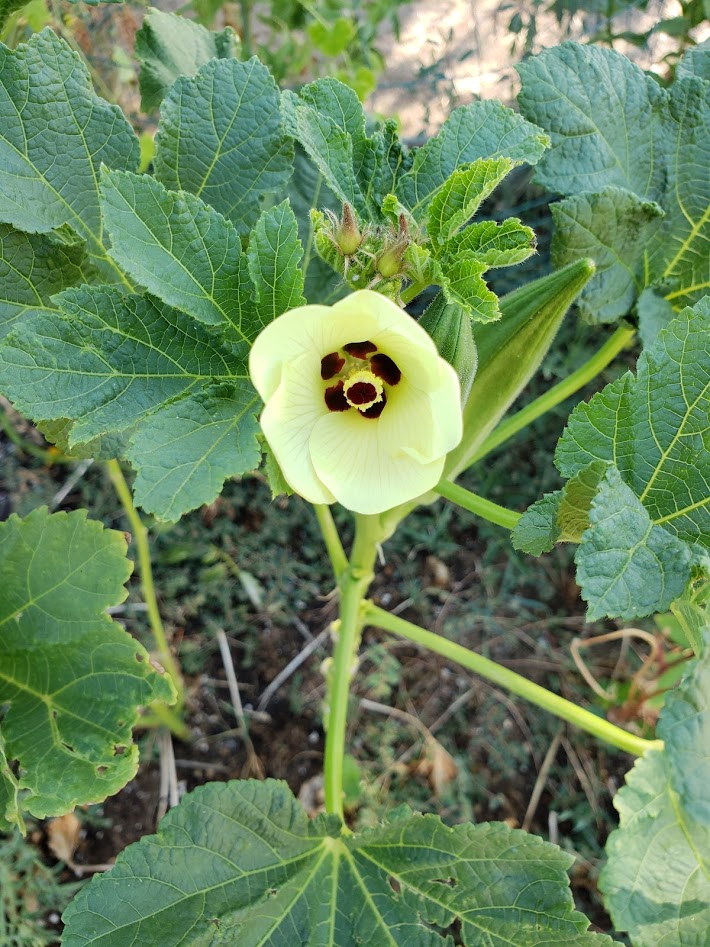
x=540, y=696
x=490, y=511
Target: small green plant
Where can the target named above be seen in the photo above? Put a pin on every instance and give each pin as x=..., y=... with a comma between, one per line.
x=245, y=303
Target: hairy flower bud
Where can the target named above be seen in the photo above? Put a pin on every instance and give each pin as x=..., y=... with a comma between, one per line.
x=348, y=236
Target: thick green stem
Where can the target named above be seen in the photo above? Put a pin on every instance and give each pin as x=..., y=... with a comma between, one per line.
x=140, y=537
x=490, y=511
x=564, y=389
x=354, y=583
x=334, y=547
x=245, y=11
x=540, y=696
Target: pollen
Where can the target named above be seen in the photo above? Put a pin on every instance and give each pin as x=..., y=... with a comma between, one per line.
x=363, y=389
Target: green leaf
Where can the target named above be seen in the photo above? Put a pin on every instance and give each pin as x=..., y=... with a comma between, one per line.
x=38, y=192
x=495, y=244
x=241, y=863
x=656, y=883
x=8, y=7
x=179, y=248
x=479, y=130
x=655, y=429
x=463, y=284
x=33, y=267
x=602, y=114
x=220, y=138
x=169, y=46
x=537, y=531
x=71, y=679
x=626, y=566
x=695, y=62
x=684, y=728
x=119, y=358
x=274, y=258
x=192, y=446
x=654, y=313
x=614, y=127
x=578, y=495
x=613, y=227
x=333, y=38
x=693, y=620
x=10, y=816
x=461, y=195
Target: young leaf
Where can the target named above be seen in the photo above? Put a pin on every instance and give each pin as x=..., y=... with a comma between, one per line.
x=240, y=862
x=479, y=130
x=169, y=46
x=33, y=267
x=462, y=283
x=461, y=195
x=537, y=530
x=495, y=244
x=71, y=679
x=654, y=428
x=274, y=256
x=326, y=118
x=179, y=248
x=220, y=137
x=38, y=192
x=10, y=816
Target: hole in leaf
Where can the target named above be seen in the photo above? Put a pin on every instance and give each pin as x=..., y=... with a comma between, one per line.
x=69, y=748
x=394, y=884
x=139, y=657
x=55, y=714
x=119, y=749
x=449, y=882
x=101, y=770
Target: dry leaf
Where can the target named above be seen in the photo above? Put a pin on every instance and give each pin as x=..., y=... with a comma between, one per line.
x=63, y=836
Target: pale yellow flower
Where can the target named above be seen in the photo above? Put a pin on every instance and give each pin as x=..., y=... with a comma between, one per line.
x=359, y=406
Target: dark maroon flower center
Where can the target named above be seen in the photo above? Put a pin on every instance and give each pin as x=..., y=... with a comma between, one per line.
x=362, y=375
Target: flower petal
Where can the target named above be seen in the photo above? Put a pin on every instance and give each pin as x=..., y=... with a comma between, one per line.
x=319, y=330
x=353, y=457
x=423, y=425
x=288, y=421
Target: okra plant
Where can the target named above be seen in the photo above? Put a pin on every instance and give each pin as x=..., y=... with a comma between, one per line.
x=242, y=301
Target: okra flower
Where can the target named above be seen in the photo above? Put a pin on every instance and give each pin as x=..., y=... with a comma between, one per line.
x=359, y=406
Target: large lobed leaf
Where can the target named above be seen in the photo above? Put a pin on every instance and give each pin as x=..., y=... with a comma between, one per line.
x=33, y=267
x=168, y=373
x=55, y=133
x=656, y=884
x=650, y=509
x=241, y=863
x=633, y=158
x=169, y=46
x=221, y=138
x=71, y=679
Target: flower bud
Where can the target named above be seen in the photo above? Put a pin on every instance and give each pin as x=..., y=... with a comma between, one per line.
x=390, y=263
x=348, y=236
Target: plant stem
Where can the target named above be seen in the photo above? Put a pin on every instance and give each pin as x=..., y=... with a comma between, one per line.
x=354, y=583
x=139, y=534
x=411, y=292
x=336, y=553
x=584, y=374
x=540, y=696
x=245, y=10
x=474, y=504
